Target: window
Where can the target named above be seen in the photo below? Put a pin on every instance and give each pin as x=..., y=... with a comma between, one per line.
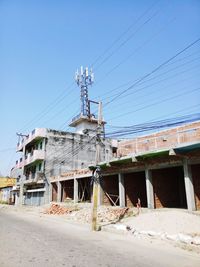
x=40, y=145
x=40, y=167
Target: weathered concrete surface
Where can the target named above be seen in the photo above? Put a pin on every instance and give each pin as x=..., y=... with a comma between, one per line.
x=36, y=240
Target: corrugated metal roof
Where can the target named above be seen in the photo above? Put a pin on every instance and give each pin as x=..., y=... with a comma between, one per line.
x=5, y=182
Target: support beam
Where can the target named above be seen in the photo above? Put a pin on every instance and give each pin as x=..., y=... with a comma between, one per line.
x=149, y=189
x=59, y=191
x=75, y=190
x=189, y=188
x=121, y=190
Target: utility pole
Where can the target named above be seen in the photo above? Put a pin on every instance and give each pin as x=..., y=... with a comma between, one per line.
x=85, y=78
x=96, y=174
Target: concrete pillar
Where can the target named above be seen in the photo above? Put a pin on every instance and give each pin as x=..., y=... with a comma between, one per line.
x=59, y=191
x=21, y=194
x=75, y=190
x=50, y=192
x=149, y=189
x=121, y=190
x=47, y=193
x=189, y=188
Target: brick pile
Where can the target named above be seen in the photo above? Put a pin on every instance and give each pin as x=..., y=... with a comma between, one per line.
x=56, y=209
x=104, y=214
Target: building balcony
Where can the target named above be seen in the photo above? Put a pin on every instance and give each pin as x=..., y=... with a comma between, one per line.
x=35, y=178
x=19, y=163
x=34, y=135
x=34, y=156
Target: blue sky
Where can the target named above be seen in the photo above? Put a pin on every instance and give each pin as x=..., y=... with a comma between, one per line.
x=42, y=43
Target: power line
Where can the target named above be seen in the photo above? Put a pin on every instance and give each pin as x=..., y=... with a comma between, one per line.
x=123, y=33
x=170, y=77
x=149, y=126
x=124, y=42
x=157, y=118
x=153, y=71
x=134, y=52
x=168, y=87
x=158, y=102
x=45, y=111
x=63, y=94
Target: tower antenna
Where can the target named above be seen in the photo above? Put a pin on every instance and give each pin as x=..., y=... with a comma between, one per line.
x=83, y=79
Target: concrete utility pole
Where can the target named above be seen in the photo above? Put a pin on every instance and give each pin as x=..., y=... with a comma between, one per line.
x=96, y=174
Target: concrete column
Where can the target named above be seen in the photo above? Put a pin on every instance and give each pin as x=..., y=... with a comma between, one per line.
x=189, y=188
x=149, y=189
x=21, y=194
x=47, y=193
x=50, y=192
x=59, y=191
x=75, y=190
x=121, y=190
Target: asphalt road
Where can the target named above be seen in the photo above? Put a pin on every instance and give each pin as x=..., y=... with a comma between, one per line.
x=29, y=240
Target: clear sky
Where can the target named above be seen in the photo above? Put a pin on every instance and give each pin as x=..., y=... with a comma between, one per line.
x=43, y=42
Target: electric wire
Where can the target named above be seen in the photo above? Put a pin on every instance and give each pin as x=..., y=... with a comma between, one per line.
x=123, y=34
x=155, y=125
x=158, y=102
x=153, y=71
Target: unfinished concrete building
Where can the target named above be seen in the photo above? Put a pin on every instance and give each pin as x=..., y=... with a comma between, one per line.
x=47, y=153
x=157, y=170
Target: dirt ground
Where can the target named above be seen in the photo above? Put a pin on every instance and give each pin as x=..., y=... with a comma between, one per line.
x=148, y=223
x=31, y=238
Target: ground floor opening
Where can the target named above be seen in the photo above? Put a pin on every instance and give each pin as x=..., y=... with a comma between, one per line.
x=169, y=188
x=67, y=190
x=84, y=189
x=110, y=187
x=135, y=189
x=196, y=182
x=34, y=198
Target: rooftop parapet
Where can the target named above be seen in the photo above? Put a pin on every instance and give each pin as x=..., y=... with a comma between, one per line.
x=174, y=137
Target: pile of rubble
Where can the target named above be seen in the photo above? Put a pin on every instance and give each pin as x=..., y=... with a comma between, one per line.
x=104, y=214
x=59, y=210
x=83, y=214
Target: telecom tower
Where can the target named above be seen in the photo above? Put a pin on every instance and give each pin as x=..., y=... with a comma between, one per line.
x=83, y=80
x=85, y=122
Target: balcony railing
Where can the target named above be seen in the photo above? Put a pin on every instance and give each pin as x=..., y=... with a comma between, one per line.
x=36, y=177
x=36, y=133
x=35, y=155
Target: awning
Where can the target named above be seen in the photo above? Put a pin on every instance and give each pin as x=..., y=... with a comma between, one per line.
x=187, y=148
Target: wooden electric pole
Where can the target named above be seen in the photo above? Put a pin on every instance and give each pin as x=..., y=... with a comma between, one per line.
x=96, y=174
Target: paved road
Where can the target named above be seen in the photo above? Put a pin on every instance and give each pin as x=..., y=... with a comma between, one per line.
x=29, y=240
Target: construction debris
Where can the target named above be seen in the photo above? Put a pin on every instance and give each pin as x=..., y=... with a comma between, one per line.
x=56, y=209
x=104, y=214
